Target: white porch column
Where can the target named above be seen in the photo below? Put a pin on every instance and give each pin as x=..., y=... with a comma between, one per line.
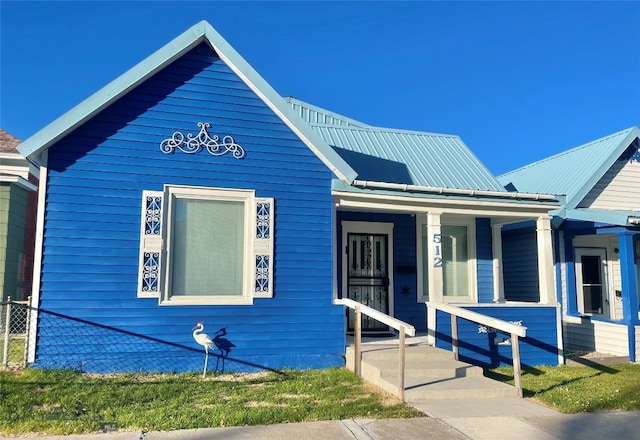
x=545, y=260
x=434, y=256
x=498, y=282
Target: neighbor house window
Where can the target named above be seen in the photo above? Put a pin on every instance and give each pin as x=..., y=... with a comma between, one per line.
x=206, y=246
x=591, y=281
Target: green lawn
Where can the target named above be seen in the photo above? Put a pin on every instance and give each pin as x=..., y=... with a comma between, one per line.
x=16, y=350
x=64, y=402
x=573, y=390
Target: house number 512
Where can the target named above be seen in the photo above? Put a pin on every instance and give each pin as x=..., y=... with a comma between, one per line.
x=437, y=259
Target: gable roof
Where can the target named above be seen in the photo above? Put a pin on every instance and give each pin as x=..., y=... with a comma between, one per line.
x=574, y=172
x=201, y=32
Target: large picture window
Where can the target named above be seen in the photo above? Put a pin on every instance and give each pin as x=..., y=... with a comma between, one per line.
x=206, y=246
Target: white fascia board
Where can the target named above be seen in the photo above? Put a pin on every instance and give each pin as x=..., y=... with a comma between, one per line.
x=17, y=180
x=378, y=202
x=450, y=204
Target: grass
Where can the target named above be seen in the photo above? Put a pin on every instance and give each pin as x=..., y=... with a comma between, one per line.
x=572, y=390
x=16, y=349
x=66, y=402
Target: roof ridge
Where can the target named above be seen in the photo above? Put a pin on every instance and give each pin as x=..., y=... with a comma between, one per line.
x=291, y=99
x=386, y=130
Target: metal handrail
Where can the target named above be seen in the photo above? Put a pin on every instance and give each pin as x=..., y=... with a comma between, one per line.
x=514, y=330
x=402, y=327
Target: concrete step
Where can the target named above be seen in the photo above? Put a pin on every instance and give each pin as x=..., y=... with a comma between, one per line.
x=425, y=368
x=461, y=388
x=430, y=374
x=386, y=351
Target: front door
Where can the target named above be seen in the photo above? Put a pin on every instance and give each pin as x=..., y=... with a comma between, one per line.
x=591, y=281
x=367, y=264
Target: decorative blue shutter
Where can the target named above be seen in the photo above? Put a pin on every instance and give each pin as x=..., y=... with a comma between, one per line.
x=149, y=266
x=263, y=248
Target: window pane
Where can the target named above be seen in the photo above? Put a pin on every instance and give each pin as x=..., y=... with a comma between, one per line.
x=207, y=247
x=592, y=299
x=591, y=269
x=455, y=267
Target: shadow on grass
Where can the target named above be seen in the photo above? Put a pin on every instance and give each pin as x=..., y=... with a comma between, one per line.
x=507, y=377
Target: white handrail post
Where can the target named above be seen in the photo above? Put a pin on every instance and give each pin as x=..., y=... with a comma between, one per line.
x=357, y=336
x=454, y=336
x=401, y=365
x=515, y=350
x=7, y=325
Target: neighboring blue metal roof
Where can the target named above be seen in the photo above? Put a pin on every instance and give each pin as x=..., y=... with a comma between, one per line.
x=198, y=33
x=409, y=157
x=574, y=172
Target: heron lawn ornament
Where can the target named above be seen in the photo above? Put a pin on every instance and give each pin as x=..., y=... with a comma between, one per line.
x=204, y=340
x=221, y=343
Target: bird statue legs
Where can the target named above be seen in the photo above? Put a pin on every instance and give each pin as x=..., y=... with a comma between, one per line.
x=206, y=359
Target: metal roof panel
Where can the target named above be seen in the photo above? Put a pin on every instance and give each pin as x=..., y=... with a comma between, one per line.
x=573, y=172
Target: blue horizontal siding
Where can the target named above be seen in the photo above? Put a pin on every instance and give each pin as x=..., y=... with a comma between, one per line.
x=520, y=260
x=484, y=257
x=92, y=223
x=539, y=347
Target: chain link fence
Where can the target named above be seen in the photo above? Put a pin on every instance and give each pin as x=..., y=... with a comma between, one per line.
x=14, y=329
x=71, y=342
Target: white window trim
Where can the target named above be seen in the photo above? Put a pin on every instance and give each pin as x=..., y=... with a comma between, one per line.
x=447, y=220
x=203, y=193
x=602, y=253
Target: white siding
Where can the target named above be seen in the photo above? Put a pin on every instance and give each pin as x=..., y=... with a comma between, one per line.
x=618, y=189
x=603, y=337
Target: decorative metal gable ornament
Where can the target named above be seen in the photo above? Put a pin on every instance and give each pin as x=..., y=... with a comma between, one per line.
x=191, y=144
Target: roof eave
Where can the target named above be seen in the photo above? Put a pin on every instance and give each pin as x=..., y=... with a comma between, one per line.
x=580, y=194
x=117, y=88
x=202, y=31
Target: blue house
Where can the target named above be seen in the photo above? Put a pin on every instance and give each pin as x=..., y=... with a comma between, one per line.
x=188, y=190
x=597, y=240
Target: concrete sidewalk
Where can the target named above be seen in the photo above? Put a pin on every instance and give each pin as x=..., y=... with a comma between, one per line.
x=480, y=419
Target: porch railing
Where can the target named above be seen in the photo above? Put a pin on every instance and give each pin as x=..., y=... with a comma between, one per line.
x=514, y=330
x=402, y=327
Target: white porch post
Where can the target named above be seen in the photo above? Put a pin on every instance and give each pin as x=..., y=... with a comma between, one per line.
x=498, y=282
x=434, y=271
x=545, y=260
x=434, y=256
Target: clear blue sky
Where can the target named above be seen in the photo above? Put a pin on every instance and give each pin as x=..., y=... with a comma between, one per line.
x=517, y=81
